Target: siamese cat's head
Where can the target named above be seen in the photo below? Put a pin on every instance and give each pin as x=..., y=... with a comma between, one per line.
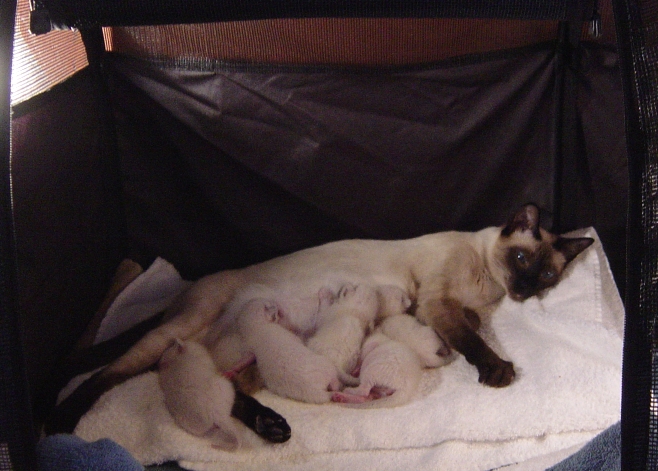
x=532, y=257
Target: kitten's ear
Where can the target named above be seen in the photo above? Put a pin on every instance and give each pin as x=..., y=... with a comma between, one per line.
x=175, y=348
x=525, y=219
x=179, y=345
x=571, y=247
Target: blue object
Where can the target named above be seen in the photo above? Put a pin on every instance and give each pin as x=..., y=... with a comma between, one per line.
x=65, y=452
x=602, y=453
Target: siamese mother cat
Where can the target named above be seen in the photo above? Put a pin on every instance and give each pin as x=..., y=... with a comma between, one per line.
x=450, y=277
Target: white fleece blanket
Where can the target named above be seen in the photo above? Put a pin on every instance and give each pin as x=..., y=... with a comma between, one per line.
x=566, y=348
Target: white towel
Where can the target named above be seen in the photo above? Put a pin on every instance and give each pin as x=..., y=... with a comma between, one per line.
x=566, y=348
x=151, y=292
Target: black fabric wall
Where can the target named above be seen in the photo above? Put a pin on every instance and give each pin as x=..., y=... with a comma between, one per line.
x=73, y=278
x=17, y=436
x=68, y=222
x=223, y=165
x=228, y=165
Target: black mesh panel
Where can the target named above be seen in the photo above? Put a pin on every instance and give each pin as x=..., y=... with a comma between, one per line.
x=637, y=33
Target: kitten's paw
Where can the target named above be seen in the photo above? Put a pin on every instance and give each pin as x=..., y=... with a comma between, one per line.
x=262, y=309
x=497, y=374
x=347, y=290
x=444, y=350
x=224, y=438
x=346, y=398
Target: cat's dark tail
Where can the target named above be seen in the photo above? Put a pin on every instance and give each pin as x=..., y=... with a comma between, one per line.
x=268, y=424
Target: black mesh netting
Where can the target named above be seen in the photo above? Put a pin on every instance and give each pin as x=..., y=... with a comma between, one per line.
x=637, y=32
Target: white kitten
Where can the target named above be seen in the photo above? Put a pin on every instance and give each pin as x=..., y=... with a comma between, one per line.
x=286, y=365
x=344, y=319
x=294, y=313
x=420, y=338
x=390, y=374
x=392, y=362
x=339, y=340
x=197, y=396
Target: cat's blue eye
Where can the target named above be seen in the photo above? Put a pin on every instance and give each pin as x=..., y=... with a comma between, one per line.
x=548, y=275
x=520, y=256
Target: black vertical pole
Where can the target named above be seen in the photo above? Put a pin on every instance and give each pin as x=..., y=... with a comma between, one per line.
x=573, y=197
x=17, y=437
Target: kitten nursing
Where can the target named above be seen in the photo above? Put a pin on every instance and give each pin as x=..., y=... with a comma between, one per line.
x=341, y=327
x=309, y=364
x=346, y=318
x=200, y=398
x=451, y=277
x=286, y=365
x=196, y=395
x=392, y=362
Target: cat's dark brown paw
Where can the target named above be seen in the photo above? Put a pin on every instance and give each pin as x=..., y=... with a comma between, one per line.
x=267, y=424
x=496, y=374
x=272, y=427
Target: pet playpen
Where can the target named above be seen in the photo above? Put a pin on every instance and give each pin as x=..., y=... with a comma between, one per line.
x=217, y=134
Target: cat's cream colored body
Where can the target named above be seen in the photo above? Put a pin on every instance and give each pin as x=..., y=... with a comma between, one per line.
x=450, y=277
x=425, y=267
x=403, y=263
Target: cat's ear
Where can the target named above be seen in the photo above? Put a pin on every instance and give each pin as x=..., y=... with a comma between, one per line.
x=571, y=247
x=525, y=219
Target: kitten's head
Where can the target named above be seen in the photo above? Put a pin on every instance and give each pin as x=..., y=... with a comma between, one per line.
x=532, y=257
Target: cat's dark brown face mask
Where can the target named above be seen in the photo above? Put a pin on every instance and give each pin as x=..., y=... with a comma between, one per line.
x=531, y=271
x=535, y=258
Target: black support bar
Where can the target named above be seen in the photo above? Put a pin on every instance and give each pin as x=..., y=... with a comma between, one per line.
x=63, y=14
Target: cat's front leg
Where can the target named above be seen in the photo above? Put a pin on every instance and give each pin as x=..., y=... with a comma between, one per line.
x=454, y=324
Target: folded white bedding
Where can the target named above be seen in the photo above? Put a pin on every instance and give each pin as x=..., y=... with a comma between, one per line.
x=566, y=348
